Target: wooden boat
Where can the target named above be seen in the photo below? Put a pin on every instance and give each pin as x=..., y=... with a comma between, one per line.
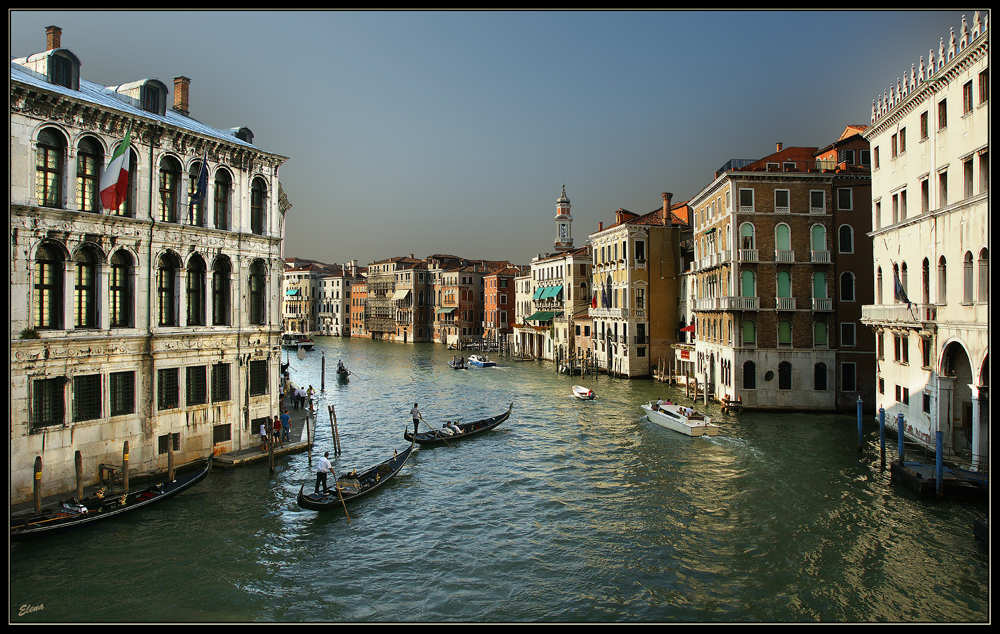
x=583, y=393
x=355, y=485
x=296, y=340
x=71, y=514
x=481, y=361
x=446, y=436
x=458, y=363
x=681, y=419
x=342, y=374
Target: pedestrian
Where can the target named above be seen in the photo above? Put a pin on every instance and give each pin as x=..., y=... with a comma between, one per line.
x=309, y=396
x=321, y=469
x=286, y=426
x=293, y=393
x=277, y=432
x=302, y=398
x=415, y=414
x=263, y=437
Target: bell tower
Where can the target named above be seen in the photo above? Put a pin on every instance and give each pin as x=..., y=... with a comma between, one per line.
x=564, y=224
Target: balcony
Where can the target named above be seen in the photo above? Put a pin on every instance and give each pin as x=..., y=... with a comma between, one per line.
x=820, y=257
x=784, y=256
x=749, y=255
x=914, y=315
x=822, y=304
x=784, y=303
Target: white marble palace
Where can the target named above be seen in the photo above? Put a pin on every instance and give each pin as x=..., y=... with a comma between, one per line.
x=156, y=322
x=929, y=139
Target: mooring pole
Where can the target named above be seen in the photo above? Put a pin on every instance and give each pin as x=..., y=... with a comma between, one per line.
x=38, y=484
x=881, y=435
x=939, y=462
x=899, y=425
x=860, y=439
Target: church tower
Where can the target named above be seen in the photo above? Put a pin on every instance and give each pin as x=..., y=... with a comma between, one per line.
x=564, y=224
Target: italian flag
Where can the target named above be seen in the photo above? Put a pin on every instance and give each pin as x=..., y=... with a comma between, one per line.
x=114, y=181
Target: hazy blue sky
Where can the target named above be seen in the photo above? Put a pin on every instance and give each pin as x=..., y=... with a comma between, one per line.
x=454, y=132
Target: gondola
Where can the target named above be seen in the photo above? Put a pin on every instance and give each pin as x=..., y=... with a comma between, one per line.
x=71, y=514
x=355, y=485
x=343, y=374
x=445, y=436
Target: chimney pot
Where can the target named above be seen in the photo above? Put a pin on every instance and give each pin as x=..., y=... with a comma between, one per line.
x=181, y=88
x=53, y=37
x=779, y=147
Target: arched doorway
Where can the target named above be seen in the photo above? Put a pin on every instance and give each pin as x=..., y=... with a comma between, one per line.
x=955, y=409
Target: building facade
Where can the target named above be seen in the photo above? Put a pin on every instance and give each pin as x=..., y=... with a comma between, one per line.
x=929, y=136
x=156, y=322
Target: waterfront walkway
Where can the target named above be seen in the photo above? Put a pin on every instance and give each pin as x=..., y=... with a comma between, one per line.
x=302, y=420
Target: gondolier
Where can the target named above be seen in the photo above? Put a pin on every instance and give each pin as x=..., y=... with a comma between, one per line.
x=415, y=414
x=322, y=467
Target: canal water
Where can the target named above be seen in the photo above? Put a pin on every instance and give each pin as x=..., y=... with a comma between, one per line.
x=571, y=511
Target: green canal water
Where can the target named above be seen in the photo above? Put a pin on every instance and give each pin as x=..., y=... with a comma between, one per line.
x=571, y=511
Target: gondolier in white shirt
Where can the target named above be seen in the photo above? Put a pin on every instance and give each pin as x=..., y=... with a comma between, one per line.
x=415, y=414
x=322, y=467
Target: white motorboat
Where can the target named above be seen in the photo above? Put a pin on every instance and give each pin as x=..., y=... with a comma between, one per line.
x=583, y=393
x=481, y=361
x=681, y=419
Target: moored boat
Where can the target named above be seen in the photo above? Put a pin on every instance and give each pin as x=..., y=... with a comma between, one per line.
x=296, y=340
x=482, y=361
x=583, y=393
x=71, y=513
x=354, y=485
x=444, y=435
x=681, y=419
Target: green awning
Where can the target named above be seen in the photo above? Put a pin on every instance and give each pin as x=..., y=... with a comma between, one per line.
x=553, y=292
x=444, y=311
x=542, y=315
x=292, y=291
x=538, y=293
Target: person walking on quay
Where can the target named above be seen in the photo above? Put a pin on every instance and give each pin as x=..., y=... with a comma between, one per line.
x=309, y=397
x=322, y=467
x=286, y=426
x=300, y=394
x=263, y=437
x=415, y=414
x=277, y=432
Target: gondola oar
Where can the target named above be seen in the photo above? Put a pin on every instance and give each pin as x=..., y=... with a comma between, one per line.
x=339, y=495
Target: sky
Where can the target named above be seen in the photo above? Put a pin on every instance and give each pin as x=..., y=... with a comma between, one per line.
x=430, y=132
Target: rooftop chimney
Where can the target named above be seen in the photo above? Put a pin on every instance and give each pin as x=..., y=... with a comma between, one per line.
x=667, y=220
x=181, y=85
x=52, y=37
x=779, y=147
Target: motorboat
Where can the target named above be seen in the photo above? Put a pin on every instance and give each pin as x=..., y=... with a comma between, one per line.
x=681, y=419
x=583, y=393
x=482, y=361
x=296, y=340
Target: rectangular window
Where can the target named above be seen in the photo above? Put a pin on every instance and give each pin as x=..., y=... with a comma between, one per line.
x=902, y=205
x=943, y=114
x=164, y=442
x=924, y=126
x=927, y=404
x=223, y=433
x=782, y=201
x=122, y=392
x=943, y=189
x=894, y=144
x=817, y=202
x=196, y=386
x=746, y=201
x=866, y=158
x=876, y=157
x=967, y=97
x=967, y=177
x=847, y=334
x=167, y=389
x=984, y=86
x=845, y=198
x=48, y=402
x=925, y=352
x=902, y=140
x=87, y=397
x=258, y=378
x=925, y=196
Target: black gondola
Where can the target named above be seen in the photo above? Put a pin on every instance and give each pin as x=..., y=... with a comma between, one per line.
x=439, y=436
x=355, y=485
x=343, y=374
x=72, y=514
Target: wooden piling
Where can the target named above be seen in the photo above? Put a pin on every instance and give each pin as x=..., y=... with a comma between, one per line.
x=79, y=475
x=38, y=484
x=170, y=460
x=125, y=467
x=333, y=427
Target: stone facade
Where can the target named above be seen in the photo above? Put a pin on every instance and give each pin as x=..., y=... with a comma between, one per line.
x=156, y=323
x=930, y=225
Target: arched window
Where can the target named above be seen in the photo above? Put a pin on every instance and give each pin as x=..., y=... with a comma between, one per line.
x=819, y=285
x=89, y=158
x=818, y=237
x=784, y=375
x=820, y=334
x=85, y=290
x=258, y=197
x=196, y=291
x=878, y=285
x=846, y=239
x=784, y=284
x=984, y=275
x=120, y=290
x=258, y=293
x=819, y=377
x=197, y=211
x=747, y=236
x=220, y=292
x=925, y=282
x=749, y=375
x=748, y=284
x=166, y=286
x=50, y=155
x=847, y=287
x=782, y=237
x=942, y=295
x=223, y=196
x=967, y=278
x=127, y=208
x=170, y=189
x=48, y=291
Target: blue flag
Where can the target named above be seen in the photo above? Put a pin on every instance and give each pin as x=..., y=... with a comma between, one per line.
x=900, y=294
